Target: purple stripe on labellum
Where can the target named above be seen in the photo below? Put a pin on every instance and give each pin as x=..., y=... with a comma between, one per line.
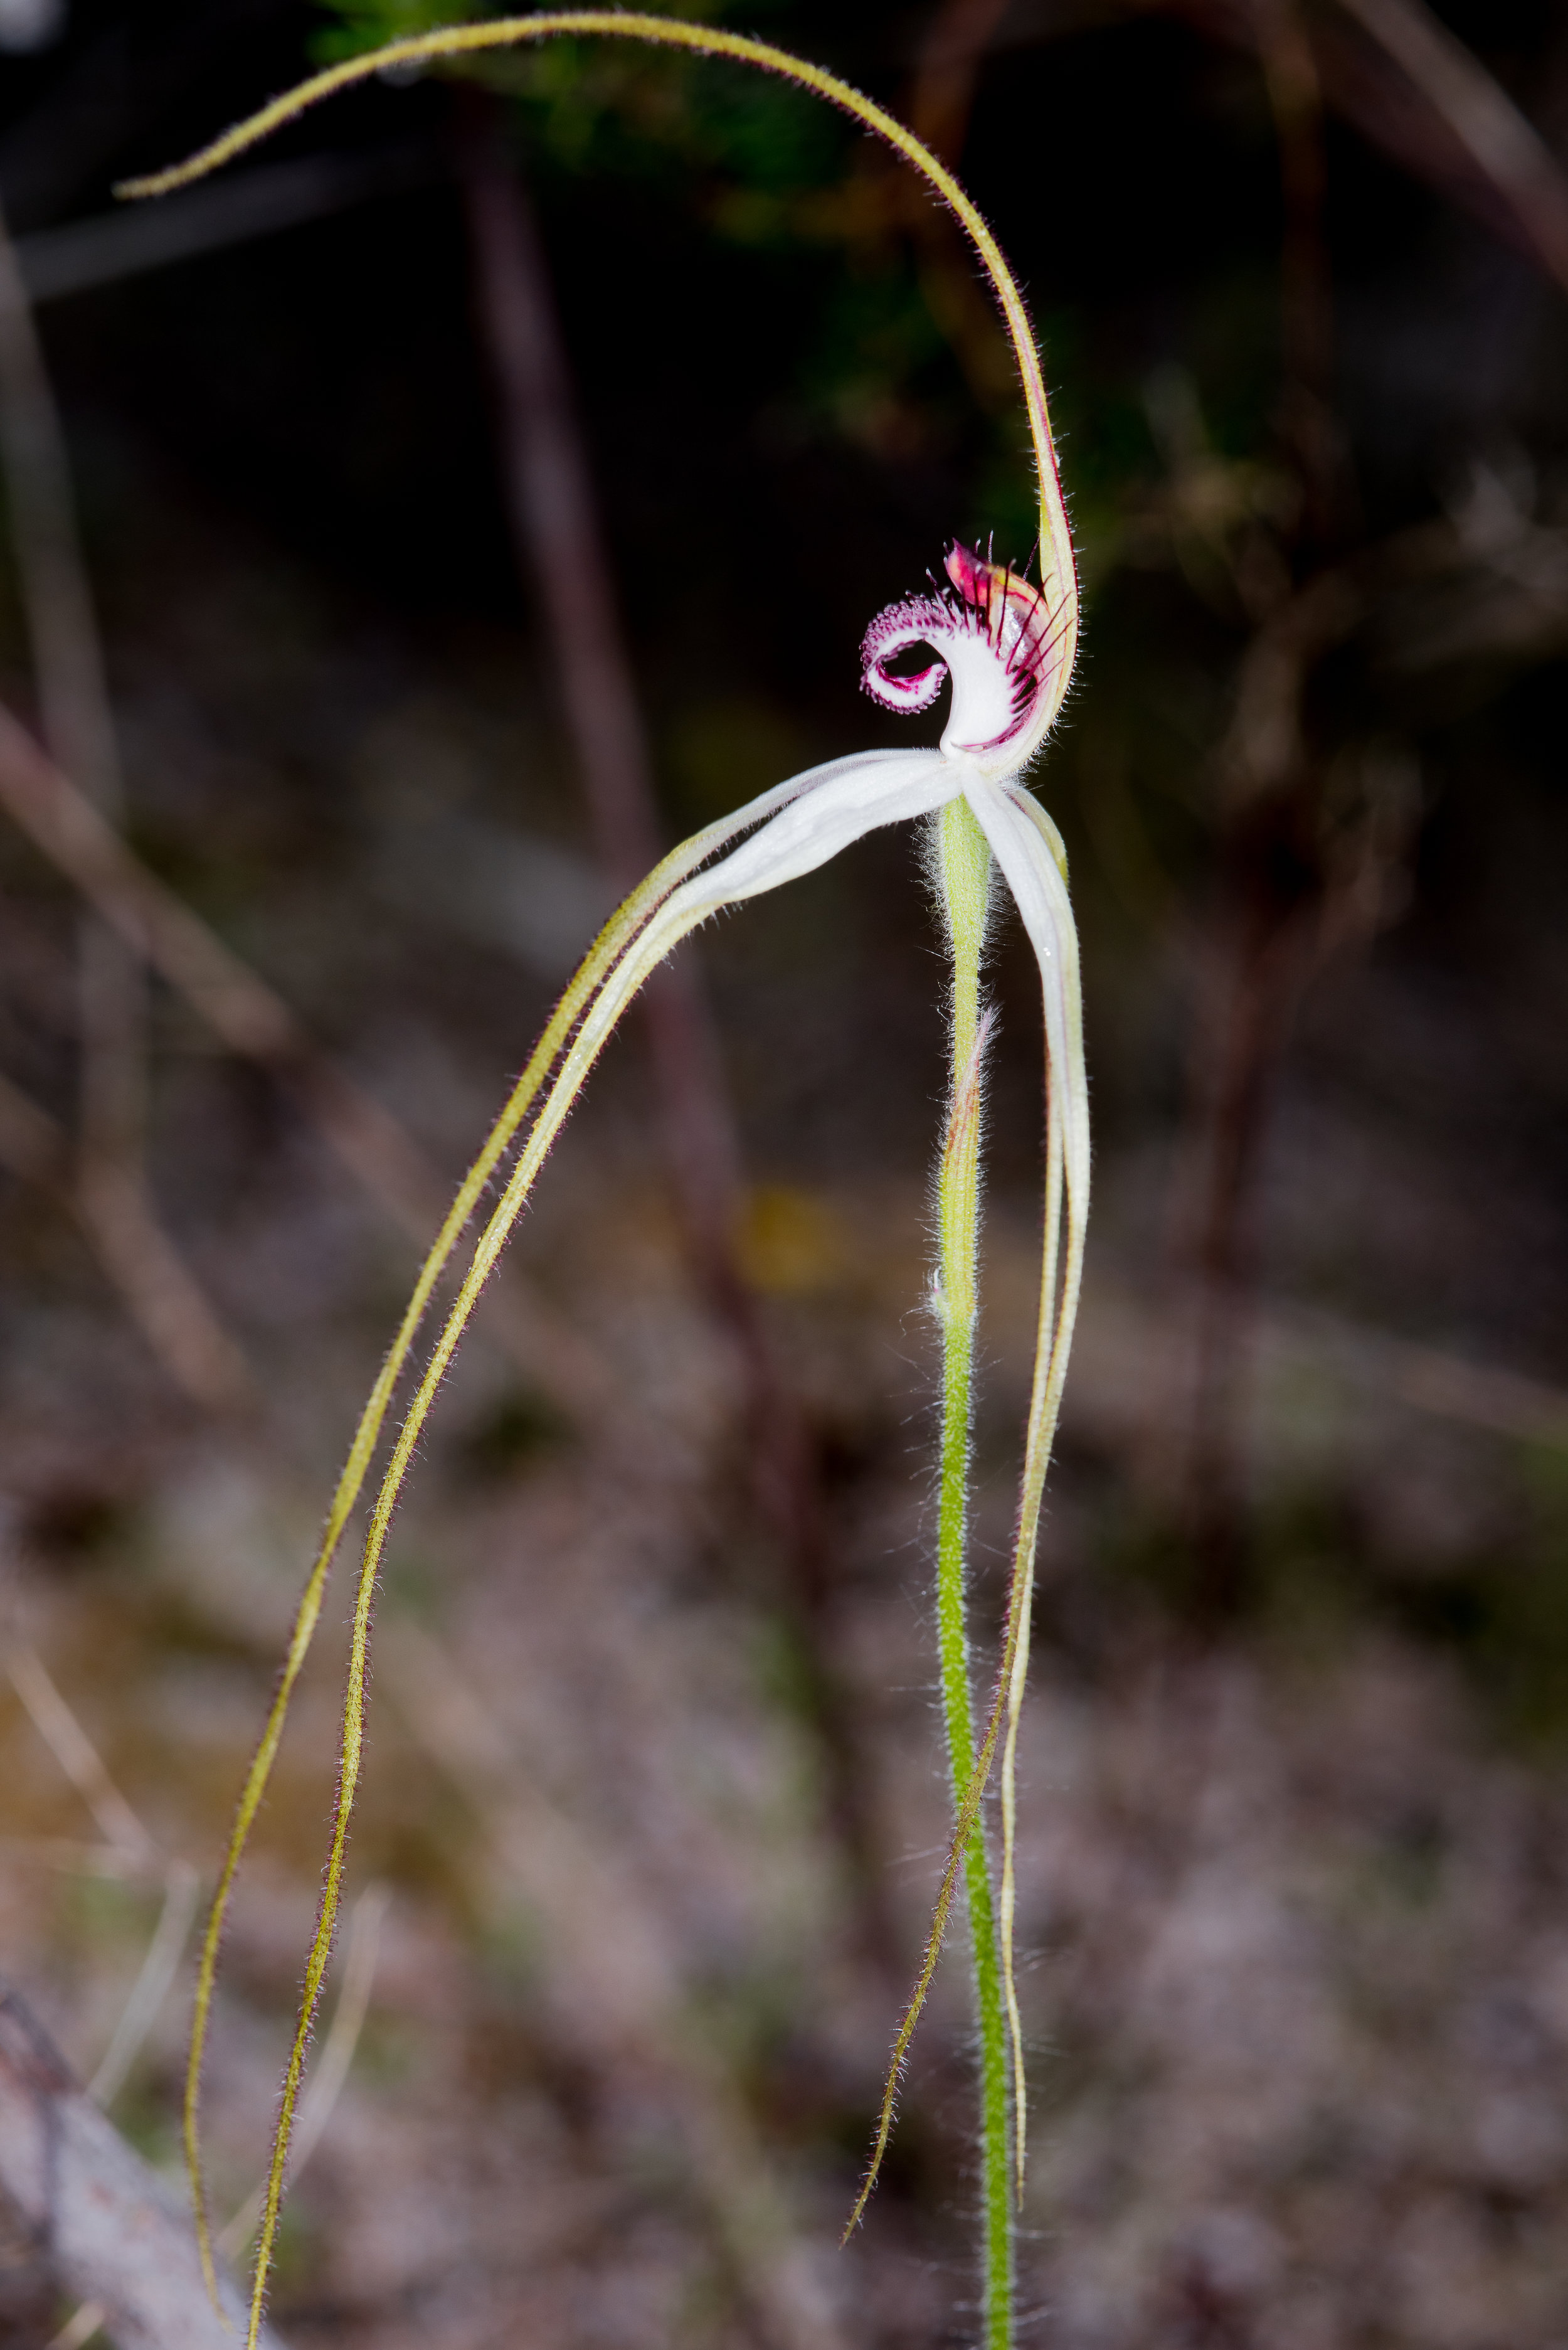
x=1000, y=641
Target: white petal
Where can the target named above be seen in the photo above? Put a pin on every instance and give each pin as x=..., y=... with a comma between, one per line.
x=1028, y=847
x=814, y=815
x=839, y=802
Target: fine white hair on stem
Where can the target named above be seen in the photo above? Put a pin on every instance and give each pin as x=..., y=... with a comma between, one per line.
x=1028, y=847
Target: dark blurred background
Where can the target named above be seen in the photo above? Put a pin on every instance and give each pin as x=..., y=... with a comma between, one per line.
x=654, y=1805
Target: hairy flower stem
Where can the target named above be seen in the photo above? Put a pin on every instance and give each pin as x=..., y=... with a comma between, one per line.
x=963, y=874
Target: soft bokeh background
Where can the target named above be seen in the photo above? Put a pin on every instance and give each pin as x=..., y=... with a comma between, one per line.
x=654, y=1806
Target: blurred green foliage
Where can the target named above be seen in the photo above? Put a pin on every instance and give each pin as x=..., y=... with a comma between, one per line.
x=762, y=165
x=625, y=109
x=357, y=25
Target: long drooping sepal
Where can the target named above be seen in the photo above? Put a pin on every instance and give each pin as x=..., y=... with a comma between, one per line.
x=618, y=934
x=802, y=825
x=1058, y=571
x=611, y=943
x=1028, y=849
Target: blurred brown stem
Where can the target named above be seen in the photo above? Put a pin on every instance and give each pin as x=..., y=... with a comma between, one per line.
x=110, y=1178
x=940, y=103
x=556, y=528
x=1502, y=146
x=256, y=1024
x=559, y=539
x=1270, y=879
x=1306, y=293
x=1267, y=927
x=942, y=88
x=1261, y=964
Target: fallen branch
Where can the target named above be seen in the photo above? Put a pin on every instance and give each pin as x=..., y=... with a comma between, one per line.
x=103, y=2222
x=255, y=1024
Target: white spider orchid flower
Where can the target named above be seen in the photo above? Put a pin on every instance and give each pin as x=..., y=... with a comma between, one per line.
x=1006, y=651
x=998, y=641
x=1007, y=648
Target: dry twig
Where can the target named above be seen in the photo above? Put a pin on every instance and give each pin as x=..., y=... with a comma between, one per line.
x=100, y=2218
x=256, y=1024
x=559, y=539
x=110, y=1180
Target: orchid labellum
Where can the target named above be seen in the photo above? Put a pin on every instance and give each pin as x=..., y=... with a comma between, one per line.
x=1006, y=649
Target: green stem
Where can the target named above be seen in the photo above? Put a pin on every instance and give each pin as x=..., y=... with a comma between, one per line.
x=963, y=868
